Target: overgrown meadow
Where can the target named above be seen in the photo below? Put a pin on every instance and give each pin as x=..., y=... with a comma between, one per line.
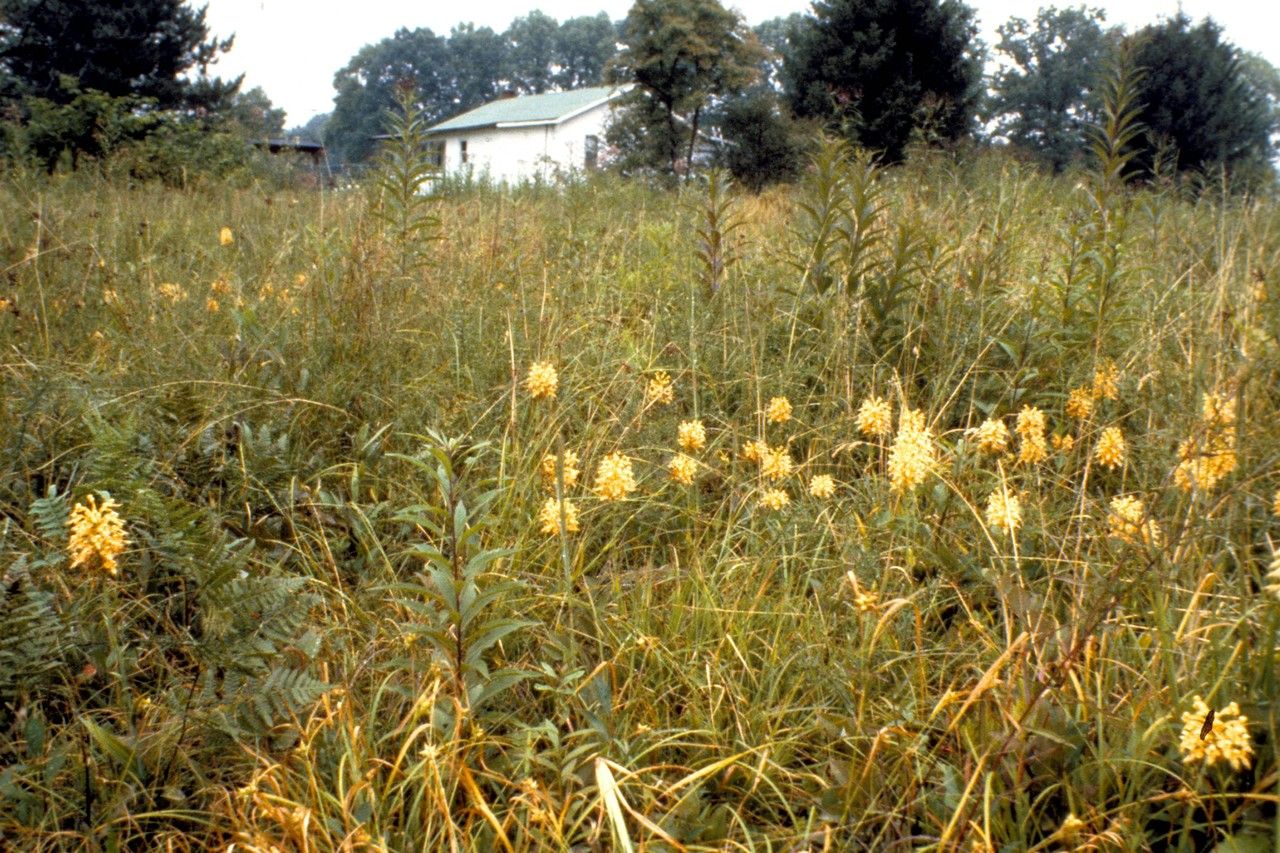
x=363, y=520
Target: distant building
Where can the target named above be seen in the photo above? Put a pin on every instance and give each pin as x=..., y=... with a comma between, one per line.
x=526, y=137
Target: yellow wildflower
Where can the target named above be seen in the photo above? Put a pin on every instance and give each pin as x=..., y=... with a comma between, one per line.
x=864, y=601
x=682, y=469
x=822, y=486
x=1217, y=410
x=778, y=411
x=97, y=534
x=912, y=455
x=300, y=280
x=774, y=499
x=211, y=305
x=109, y=296
x=1128, y=522
x=1111, y=449
x=1030, y=428
x=220, y=287
x=1071, y=827
x=1275, y=504
x=1080, y=403
x=875, y=417
x=776, y=463
x=542, y=381
x=614, y=480
x=571, y=472
x=660, y=390
x=174, y=293
x=225, y=237
x=691, y=436
x=1063, y=443
x=1004, y=511
x=549, y=517
x=1227, y=741
x=1105, y=380
x=992, y=436
x=754, y=451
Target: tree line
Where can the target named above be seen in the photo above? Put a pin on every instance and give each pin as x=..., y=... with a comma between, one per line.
x=79, y=76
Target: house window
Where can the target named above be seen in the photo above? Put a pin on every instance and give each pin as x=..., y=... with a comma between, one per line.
x=592, y=151
x=463, y=144
x=435, y=154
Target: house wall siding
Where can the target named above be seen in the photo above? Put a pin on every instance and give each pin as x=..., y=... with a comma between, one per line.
x=515, y=154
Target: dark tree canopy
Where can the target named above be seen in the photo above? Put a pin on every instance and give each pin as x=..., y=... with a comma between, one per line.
x=681, y=55
x=760, y=142
x=1043, y=99
x=884, y=69
x=584, y=47
x=1198, y=97
x=129, y=48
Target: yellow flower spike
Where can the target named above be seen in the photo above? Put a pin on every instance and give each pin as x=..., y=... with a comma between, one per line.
x=1004, y=512
x=549, y=517
x=1225, y=740
x=912, y=455
x=548, y=470
x=992, y=437
x=776, y=464
x=1127, y=522
x=1030, y=427
x=96, y=534
x=691, y=436
x=822, y=486
x=614, y=479
x=778, y=411
x=1080, y=403
x=682, y=469
x=875, y=417
x=660, y=391
x=1111, y=450
x=225, y=237
x=754, y=451
x=1105, y=380
x=542, y=381
x=774, y=499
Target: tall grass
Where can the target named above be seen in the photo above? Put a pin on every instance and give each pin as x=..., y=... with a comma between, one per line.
x=272, y=666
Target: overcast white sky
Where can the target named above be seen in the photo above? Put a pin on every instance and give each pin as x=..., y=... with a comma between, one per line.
x=292, y=48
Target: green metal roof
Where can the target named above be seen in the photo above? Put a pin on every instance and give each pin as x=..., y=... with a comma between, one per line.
x=549, y=108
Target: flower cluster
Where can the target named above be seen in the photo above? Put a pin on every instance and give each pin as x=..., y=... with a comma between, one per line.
x=992, y=436
x=1226, y=742
x=1128, y=522
x=225, y=237
x=1063, y=443
x=682, y=469
x=691, y=436
x=97, y=534
x=754, y=450
x=1204, y=460
x=549, y=516
x=778, y=411
x=1106, y=382
x=571, y=471
x=911, y=457
x=1080, y=403
x=875, y=418
x=1111, y=449
x=660, y=391
x=1031, y=427
x=614, y=479
x=173, y=292
x=542, y=381
x=822, y=486
x=1004, y=512
x=776, y=464
x=774, y=499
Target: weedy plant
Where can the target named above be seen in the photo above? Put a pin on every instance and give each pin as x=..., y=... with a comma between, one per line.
x=927, y=506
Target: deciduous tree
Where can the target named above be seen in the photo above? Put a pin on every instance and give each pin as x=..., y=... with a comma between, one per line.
x=681, y=55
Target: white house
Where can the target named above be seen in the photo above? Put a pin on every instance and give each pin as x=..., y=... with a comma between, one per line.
x=527, y=137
